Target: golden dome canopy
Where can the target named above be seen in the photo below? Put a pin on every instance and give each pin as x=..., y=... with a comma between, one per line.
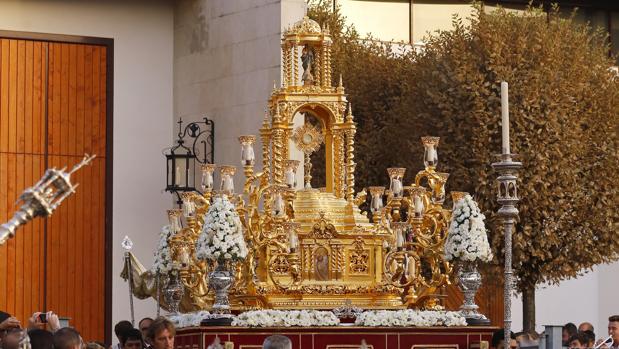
x=306, y=26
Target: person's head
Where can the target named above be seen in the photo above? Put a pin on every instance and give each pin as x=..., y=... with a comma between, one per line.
x=585, y=326
x=613, y=328
x=161, y=334
x=143, y=326
x=121, y=328
x=527, y=340
x=10, y=338
x=590, y=338
x=578, y=341
x=41, y=339
x=498, y=340
x=569, y=330
x=277, y=342
x=67, y=338
x=95, y=345
x=132, y=339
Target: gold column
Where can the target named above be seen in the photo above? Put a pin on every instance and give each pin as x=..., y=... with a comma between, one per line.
x=286, y=58
x=278, y=147
x=295, y=64
x=338, y=145
x=325, y=65
x=265, y=136
x=350, y=155
x=328, y=66
x=318, y=78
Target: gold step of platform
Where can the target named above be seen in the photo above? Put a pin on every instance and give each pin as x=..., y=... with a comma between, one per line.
x=342, y=214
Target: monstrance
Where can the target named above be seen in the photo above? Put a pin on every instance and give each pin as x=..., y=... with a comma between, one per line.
x=308, y=139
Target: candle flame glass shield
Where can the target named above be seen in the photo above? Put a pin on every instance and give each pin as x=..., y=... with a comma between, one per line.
x=400, y=229
x=247, y=149
x=418, y=195
x=457, y=196
x=207, y=181
x=227, y=179
x=396, y=176
x=377, y=198
x=293, y=238
x=189, y=208
x=174, y=219
x=430, y=153
x=291, y=167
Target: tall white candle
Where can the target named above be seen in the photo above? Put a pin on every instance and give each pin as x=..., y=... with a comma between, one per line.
x=505, y=117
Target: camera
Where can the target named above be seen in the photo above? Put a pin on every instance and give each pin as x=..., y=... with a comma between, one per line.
x=43, y=317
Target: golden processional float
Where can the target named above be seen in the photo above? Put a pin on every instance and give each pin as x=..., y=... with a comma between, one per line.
x=314, y=248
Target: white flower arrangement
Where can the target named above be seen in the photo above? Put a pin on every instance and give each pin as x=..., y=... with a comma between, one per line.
x=285, y=318
x=163, y=257
x=466, y=237
x=409, y=317
x=222, y=233
x=189, y=319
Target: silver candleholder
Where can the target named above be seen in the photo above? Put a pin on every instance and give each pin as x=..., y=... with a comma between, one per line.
x=43, y=198
x=507, y=197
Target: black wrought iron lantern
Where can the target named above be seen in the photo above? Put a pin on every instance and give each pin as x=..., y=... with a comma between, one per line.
x=195, y=143
x=181, y=164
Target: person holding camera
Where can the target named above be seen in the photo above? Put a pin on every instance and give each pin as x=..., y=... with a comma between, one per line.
x=38, y=320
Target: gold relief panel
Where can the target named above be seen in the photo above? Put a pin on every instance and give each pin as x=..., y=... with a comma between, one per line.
x=435, y=346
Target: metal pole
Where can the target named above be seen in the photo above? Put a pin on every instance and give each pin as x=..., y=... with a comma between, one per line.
x=130, y=277
x=507, y=197
x=158, y=296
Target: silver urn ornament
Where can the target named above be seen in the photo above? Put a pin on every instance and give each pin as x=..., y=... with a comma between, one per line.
x=173, y=292
x=220, y=280
x=469, y=280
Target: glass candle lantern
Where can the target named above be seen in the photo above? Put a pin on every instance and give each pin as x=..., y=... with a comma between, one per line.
x=396, y=175
x=279, y=206
x=418, y=194
x=174, y=220
x=399, y=229
x=377, y=198
x=247, y=149
x=293, y=237
x=291, y=167
x=430, y=154
x=457, y=196
x=227, y=179
x=189, y=207
x=207, y=177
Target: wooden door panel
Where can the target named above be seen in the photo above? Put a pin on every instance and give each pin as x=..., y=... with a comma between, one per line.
x=53, y=109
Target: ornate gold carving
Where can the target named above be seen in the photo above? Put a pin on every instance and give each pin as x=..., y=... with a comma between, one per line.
x=322, y=229
x=340, y=253
x=280, y=265
x=359, y=258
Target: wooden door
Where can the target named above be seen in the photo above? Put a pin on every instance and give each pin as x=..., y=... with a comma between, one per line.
x=53, y=110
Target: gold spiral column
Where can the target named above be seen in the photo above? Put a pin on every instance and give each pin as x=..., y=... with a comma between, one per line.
x=338, y=145
x=328, y=65
x=278, y=147
x=350, y=155
x=295, y=64
x=265, y=137
x=286, y=62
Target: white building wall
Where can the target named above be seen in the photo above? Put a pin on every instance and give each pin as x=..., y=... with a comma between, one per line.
x=143, y=47
x=226, y=59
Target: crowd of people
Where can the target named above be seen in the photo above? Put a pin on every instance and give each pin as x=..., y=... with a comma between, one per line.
x=44, y=332
x=573, y=337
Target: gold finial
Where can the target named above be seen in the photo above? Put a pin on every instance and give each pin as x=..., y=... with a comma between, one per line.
x=340, y=85
x=349, y=112
x=274, y=85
